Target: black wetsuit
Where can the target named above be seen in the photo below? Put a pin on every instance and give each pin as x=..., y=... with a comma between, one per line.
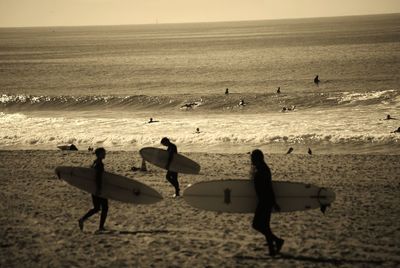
x=172, y=176
x=316, y=80
x=98, y=202
x=266, y=200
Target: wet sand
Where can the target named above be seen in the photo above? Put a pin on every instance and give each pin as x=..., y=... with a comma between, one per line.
x=39, y=213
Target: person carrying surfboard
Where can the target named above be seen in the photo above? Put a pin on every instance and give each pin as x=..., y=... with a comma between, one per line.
x=171, y=176
x=98, y=202
x=261, y=175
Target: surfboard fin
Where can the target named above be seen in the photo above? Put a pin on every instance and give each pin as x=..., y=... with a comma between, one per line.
x=323, y=208
x=136, y=192
x=143, y=166
x=227, y=196
x=58, y=173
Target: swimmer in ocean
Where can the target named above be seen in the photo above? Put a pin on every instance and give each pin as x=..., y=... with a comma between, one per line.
x=388, y=117
x=151, y=120
x=188, y=105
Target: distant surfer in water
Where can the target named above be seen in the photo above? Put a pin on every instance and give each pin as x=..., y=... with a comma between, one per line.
x=226, y=91
x=316, y=80
x=261, y=175
x=98, y=202
x=278, y=91
x=152, y=121
x=292, y=108
x=197, y=130
x=388, y=117
x=397, y=130
x=242, y=103
x=188, y=105
x=171, y=176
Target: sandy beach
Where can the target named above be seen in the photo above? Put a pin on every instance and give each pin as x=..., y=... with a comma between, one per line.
x=39, y=213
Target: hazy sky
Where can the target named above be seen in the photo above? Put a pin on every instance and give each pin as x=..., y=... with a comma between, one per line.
x=104, y=12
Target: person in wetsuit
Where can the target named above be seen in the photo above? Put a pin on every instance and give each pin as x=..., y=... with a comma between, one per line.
x=388, y=117
x=261, y=175
x=316, y=80
x=171, y=176
x=98, y=202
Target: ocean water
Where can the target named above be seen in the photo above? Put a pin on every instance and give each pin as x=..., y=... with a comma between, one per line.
x=98, y=86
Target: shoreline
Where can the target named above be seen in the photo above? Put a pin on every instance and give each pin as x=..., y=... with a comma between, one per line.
x=272, y=149
x=39, y=215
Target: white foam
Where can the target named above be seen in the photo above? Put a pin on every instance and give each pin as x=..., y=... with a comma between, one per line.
x=362, y=96
x=131, y=133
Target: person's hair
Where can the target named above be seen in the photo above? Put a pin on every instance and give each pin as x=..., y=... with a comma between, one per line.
x=165, y=140
x=98, y=151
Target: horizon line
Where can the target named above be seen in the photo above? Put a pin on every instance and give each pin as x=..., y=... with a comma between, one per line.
x=198, y=22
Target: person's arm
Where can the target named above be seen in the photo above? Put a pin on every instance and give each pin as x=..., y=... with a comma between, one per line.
x=99, y=178
x=260, y=186
x=171, y=153
x=272, y=192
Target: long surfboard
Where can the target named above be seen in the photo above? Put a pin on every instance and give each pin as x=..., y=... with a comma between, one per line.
x=238, y=196
x=159, y=158
x=115, y=187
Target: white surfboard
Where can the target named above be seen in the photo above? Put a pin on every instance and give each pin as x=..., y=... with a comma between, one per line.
x=239, y=196
x=115, y=187
x=180, y=163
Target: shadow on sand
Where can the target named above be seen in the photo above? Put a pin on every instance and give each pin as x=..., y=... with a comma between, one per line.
x=124, y=232
x=333, y=261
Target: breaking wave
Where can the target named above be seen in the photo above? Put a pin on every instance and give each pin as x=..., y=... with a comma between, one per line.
x=214, y=103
